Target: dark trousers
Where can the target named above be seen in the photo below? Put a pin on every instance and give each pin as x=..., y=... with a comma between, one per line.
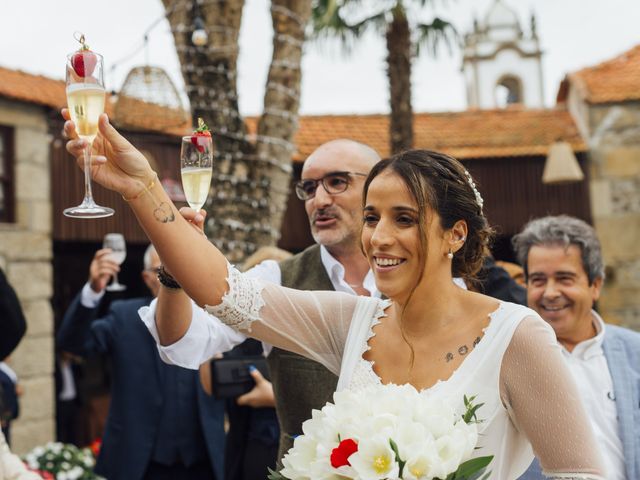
x=257, y=457
x=199, y=471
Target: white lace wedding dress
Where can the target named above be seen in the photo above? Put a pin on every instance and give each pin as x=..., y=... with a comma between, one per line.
x=516, y=369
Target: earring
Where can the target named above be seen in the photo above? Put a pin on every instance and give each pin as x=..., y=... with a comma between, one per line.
x=450, y=255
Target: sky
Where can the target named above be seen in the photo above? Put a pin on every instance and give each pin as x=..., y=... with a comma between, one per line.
x=35, y=36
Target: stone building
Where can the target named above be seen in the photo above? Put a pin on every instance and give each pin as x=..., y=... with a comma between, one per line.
x=26, y=253
x=604, y=100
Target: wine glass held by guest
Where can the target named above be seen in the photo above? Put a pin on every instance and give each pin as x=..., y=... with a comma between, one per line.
x=423, y=224
x=116, y=243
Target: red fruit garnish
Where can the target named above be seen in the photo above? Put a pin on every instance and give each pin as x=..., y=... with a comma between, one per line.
x=200, y=136
x=84, y=60
x=340, y=455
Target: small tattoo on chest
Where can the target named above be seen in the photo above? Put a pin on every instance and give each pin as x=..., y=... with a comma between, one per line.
x=462, y=350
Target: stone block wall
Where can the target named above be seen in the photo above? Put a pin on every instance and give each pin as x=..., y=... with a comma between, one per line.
x=25, y=256
x=615, y=195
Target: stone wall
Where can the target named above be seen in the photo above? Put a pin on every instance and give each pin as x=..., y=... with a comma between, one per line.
x=25, y=256
x=614, y=143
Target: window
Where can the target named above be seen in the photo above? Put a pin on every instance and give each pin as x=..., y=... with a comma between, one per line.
x=508, y=91
x=7, y=197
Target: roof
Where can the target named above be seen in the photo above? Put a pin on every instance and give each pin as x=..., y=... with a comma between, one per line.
x=470, y=134
x=515, y=131
x=616, y=80
x=45, y=91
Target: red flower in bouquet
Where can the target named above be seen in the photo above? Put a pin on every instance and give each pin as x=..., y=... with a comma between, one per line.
x=340, y=455
x=95, y=446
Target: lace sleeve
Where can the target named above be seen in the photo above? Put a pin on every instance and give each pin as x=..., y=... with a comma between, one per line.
x=542, y=399
x=312, y=323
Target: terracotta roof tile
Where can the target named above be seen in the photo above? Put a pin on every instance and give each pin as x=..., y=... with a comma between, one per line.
x=615, y=80
x=22, y=86
x=470, y=134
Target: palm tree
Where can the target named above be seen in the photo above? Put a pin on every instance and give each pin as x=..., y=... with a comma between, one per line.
x=404, y=40
x=251, y=178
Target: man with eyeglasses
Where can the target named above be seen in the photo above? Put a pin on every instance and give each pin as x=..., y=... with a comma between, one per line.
x=331, y=187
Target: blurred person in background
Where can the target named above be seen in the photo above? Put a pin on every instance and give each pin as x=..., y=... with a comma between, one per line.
x=161, y=423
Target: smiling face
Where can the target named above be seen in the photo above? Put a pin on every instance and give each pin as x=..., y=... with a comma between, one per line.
x=391, y=238
x=558, y=289
x=335, y=219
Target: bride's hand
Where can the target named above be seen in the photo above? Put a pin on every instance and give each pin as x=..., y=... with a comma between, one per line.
x=115, y=163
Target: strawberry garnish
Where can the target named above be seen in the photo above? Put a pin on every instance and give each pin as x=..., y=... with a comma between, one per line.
x=84, y=60
x=201, y=135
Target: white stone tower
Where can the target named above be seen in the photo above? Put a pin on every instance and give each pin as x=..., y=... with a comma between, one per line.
x=501, y=66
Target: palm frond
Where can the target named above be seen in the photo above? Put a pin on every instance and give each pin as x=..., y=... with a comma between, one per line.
x=432, y=35
x=328, y=19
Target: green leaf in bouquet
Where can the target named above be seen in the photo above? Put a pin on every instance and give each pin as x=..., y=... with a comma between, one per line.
x=275, y=475
x=401, y=463
x=472, y=469
x=469, y=415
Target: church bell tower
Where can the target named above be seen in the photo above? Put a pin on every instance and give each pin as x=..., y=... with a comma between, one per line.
x=501, y=65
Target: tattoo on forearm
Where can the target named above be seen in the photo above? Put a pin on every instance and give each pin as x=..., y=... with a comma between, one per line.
x=462, y=350
x=164, y=213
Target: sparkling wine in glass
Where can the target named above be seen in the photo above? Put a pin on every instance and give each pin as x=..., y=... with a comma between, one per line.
x=85, y=98
x=196, y=166
x=118, y=246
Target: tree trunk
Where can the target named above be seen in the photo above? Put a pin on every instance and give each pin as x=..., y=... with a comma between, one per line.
x=250, y=181
x=399, y=51
x=279, y=121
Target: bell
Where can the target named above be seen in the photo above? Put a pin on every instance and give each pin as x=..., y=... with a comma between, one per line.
x=561, y=165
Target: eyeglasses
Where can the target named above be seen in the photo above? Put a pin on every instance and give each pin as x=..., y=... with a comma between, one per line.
x=333, y=183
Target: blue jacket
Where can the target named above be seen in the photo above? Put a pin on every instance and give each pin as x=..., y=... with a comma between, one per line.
x=622, y=349
x=136, y=393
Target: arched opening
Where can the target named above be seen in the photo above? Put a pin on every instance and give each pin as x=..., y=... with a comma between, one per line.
x=508, y=91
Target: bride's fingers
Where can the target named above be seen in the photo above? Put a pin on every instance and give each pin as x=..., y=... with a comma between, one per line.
x=95, y=161
x=76, y=147
x=65, y=114
x=69, y=130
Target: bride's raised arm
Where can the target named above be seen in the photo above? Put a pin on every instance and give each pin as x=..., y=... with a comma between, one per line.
x=196, y=264
x=303, y=322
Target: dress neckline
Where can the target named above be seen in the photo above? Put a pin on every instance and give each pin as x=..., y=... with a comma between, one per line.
x=480, y=347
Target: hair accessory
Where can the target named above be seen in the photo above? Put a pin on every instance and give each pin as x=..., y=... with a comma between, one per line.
x=472, y=184
x=450, y=254
x=167, y=280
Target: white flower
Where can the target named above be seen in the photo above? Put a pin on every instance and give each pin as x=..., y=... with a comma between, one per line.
x=375, y=460
x=38, y=451
x=421, y=465
x=75, y=473
x=62, y=476
x=296, y=462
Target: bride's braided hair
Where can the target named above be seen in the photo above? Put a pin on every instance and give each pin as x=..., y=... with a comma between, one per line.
x=441, y=182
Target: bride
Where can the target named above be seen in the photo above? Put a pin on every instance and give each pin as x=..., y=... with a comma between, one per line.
x=422, y=225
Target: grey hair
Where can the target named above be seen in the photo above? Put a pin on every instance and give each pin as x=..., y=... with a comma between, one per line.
x=562, y=230
x=146, y=260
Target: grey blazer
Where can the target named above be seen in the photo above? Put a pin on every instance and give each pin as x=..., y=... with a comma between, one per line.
x=622, y=349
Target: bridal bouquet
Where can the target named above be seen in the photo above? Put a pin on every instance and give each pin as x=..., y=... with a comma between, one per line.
x=63, y=461
x=387, y=432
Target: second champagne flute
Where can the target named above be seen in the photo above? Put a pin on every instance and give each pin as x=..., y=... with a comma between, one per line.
x=196, y=165
x=115, y=241
x=85, y=97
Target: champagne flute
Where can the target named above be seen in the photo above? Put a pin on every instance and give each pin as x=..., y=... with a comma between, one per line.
x=85, y=97
x=115, y=241
x=196, y=168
